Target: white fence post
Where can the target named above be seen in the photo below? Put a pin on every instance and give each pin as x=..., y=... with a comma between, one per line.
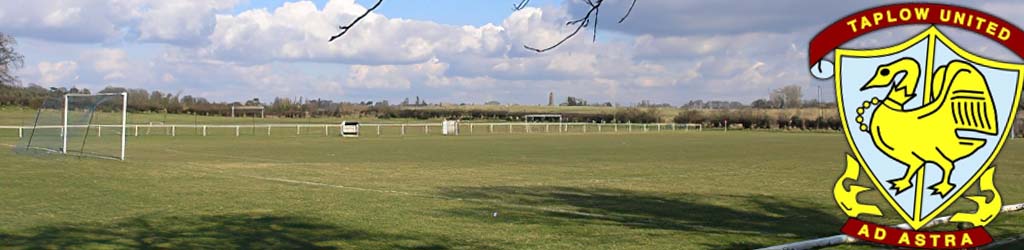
x=136, y=130
x=204, y=130
x=584, y=128
x=99, y=131
x=327, y=132
x=20, y=132
x=470, y=128
x=491, y=130
x=510, y=128
x=268, y=130
x=378, y=129
x=297, y=130
x=237, y=130
x=173, y=131
x=426, y=129
x=403, y=129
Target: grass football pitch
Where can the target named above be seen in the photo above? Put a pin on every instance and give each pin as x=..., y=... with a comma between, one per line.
x=670, y=190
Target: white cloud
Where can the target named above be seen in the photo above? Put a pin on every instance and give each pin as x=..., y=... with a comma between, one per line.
x=57, y=72
x=105, y=21
x=167, y=78
x=397, y=76
x=179, y=21
x=299, y=32
x=111, y=63
x=62, y=17
x=668, y=51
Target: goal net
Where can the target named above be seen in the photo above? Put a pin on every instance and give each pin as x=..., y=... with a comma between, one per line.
x=450, y=127
x=91, y=125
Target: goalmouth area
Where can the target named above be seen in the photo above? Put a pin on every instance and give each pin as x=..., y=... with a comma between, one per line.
x=653, y=190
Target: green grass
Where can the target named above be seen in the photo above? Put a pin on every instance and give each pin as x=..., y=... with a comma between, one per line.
x=671, y=190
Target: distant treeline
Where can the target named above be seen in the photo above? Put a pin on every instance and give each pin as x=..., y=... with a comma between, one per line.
x=754, y=118
x=621, y=115
x=760, y=115
x=140, y=100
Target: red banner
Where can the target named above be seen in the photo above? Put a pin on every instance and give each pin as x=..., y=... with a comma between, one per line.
x=887, y=16
x=969, y=238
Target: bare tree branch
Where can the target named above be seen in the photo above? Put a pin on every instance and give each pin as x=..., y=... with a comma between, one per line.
x=597, y=16
x=522, y=4
x=591, y=16
x=628, y=11
x=344, y=29
x=581, y=23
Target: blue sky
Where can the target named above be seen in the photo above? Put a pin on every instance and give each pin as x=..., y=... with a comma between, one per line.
x=668, y=51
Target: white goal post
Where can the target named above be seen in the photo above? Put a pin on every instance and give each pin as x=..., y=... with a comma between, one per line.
x=66, y=128
x=450, y=127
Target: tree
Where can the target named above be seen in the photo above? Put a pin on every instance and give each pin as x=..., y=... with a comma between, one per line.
x=590, y=18
x=761, y=104
x=575, y=101
x=789, y=96
x=10, y=60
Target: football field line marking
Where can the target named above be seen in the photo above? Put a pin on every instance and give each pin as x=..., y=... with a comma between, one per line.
x=318, y=184
x=638, y=220
x=633, y=219
x=247, y=158
x=309, y=183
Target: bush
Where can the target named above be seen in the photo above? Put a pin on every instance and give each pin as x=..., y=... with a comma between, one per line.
x=689, y=116
x=637, y=115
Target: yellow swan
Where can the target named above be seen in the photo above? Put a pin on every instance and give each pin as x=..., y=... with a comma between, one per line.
x=958, y=100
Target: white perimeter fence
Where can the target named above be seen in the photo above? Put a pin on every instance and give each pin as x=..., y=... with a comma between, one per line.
x=845, y=239
x=377, y=129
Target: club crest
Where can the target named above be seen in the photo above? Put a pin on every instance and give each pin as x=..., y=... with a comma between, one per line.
x=924, y=118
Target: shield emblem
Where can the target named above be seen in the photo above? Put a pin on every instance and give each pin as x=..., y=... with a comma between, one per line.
x=924, y=117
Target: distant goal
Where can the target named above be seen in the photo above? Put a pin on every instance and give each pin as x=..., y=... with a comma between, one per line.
x=89, y=125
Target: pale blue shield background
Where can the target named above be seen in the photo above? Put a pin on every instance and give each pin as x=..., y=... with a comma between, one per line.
x=856, y=71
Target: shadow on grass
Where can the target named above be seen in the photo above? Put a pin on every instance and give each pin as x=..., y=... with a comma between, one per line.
x=241, y=231
x=736, y=218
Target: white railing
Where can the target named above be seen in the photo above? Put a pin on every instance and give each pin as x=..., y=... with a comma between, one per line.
x=403, y=128
x=844, y=239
